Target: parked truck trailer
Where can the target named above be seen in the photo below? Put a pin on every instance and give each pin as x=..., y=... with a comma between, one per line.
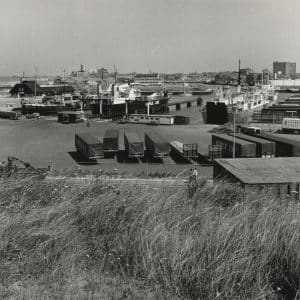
x=134, y=146
x=89, y=146
x=242, y=148
x=264, y=148
x=156, y=145
x=111, y=141
x=184, y=150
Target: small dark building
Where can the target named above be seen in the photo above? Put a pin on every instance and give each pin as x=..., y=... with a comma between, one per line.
x=216, y=113
x=70, y=117
x=31, y=88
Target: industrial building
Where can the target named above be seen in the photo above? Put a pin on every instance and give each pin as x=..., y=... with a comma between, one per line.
x=281, y=176
x=32, y=88
x=276, y=113
x=284, y=69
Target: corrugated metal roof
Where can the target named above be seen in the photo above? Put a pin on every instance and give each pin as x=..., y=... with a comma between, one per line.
x=263, y=170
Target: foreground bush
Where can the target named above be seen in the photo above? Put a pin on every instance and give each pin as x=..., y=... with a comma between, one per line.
x=90, y=240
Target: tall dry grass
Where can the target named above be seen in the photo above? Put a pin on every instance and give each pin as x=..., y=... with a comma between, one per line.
x=91, y=241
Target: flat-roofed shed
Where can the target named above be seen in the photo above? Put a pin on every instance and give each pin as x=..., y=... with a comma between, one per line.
x=259, y=170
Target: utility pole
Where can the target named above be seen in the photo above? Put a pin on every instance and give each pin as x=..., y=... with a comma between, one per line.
x=233, y=147
x=239, y=81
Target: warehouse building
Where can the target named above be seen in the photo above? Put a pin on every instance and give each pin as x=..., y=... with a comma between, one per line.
x=281, y=176
x=285, y=69
x=276, y=113
x=31, y=88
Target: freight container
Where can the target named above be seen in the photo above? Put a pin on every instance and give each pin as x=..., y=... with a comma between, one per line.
x=242, y=148
x=264, y=148
x=89, y=146
x=134, y=146
x=184, y=150
x=250, y=130
x=66, y=117
x=9, y=114
x=111, y=141
x=156, y=145
x=291, y=125
x=181, y=120
x=284, y=147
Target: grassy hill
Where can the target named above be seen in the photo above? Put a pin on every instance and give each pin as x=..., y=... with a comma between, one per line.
x=90, y=240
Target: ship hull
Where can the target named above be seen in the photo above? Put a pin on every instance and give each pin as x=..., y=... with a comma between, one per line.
x=42, y=110
x=206, y=92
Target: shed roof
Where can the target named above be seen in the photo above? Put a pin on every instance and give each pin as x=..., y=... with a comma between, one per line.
x=263, y=170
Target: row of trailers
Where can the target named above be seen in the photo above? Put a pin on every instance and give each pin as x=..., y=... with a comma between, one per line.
x=256, y=145
x=93, y=148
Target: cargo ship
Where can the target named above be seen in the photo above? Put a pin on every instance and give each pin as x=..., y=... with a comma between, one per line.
x=120, y=100
x=48, y=105
x=227, y=100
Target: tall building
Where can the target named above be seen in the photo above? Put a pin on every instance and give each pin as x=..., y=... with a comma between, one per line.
x=284, y=69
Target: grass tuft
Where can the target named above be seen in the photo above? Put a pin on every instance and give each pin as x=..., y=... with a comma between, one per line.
x=71, y=239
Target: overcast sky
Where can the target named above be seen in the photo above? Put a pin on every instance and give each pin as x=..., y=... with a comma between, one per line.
x=143, y=35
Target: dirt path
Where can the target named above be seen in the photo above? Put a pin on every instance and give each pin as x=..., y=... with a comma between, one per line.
x=155, y=182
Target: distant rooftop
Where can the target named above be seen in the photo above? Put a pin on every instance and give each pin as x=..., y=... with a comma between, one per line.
x=150, y=75
x=263, y=170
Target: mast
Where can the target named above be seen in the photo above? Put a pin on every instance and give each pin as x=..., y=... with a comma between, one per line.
x=64, y=81
x=239, y=80
x=35, y=82
x=115, y=70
